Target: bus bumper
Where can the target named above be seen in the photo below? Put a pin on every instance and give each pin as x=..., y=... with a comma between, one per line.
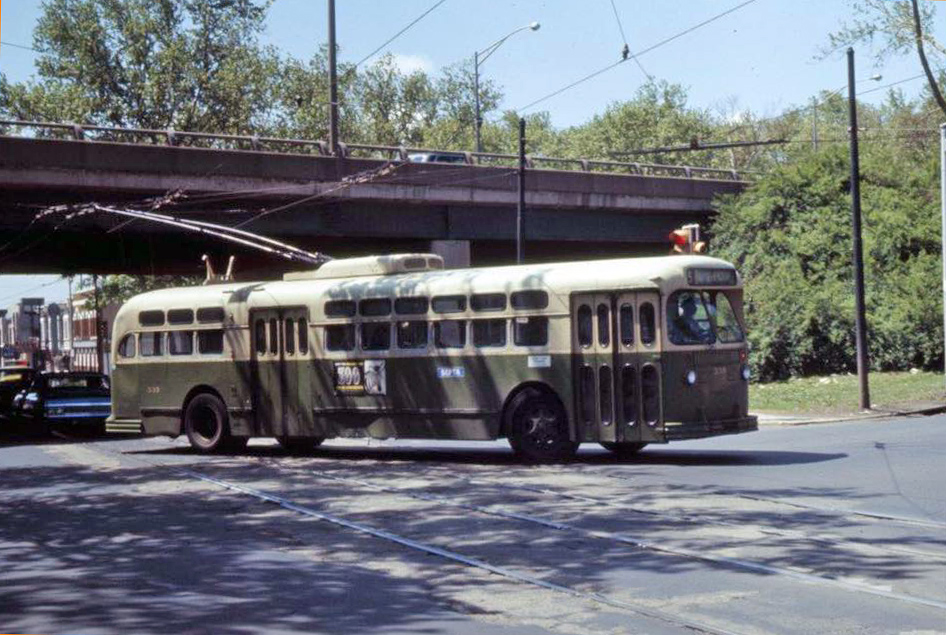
x=123, y=426
x=679, y=431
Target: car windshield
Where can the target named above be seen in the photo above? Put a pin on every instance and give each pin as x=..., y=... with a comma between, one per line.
x=702, y=317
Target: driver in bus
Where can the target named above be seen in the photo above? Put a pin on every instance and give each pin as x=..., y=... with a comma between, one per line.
x=686, y=326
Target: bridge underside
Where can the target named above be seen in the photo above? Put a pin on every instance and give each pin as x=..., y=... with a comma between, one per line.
x=297, y=198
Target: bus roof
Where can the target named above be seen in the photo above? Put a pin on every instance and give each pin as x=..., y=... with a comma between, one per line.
x=666, y=273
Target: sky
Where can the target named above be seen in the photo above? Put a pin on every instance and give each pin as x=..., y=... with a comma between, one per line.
x=761, y=57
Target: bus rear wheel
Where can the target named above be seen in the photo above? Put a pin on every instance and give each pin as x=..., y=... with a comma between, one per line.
x=205, y=422
x=299, y=445
x=624, y=450
x=538, y=427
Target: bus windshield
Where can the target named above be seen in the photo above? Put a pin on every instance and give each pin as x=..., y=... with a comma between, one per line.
x=702, y=317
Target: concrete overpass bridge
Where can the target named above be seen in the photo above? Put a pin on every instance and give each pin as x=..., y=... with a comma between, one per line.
x=369, y=199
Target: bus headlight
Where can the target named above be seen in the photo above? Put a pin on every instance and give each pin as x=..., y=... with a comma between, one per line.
x=691, y=377
x=746, y=373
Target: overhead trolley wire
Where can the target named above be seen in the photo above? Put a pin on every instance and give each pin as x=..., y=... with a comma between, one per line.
x=638, y=54
x=398, y=34
x=627, y=49
x=21, y=46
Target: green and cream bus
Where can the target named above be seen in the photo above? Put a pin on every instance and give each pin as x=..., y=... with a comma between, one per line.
x=621, y=352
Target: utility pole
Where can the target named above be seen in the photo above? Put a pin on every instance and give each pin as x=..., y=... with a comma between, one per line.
x=476, y=91
x=942, y=186
x=98, y=321
x=521, y=210
x=860, y=318
x=332, y=82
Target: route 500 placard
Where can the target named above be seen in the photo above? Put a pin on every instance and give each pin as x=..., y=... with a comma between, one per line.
x=361, y=378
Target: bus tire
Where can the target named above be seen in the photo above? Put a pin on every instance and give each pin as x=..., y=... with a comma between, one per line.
x=624, y=450
x=299, y=445
x=538, y=427
x=206, y=423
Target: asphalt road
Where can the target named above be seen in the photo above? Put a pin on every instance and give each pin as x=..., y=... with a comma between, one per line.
x=834, y=528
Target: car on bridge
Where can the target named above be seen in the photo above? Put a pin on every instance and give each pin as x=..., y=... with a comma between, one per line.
x=74, y=399
x=437, y=157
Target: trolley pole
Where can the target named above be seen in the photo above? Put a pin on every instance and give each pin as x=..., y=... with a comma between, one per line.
x=860, y=318
x=942, y=186
x=521, y=210
x=332, y=82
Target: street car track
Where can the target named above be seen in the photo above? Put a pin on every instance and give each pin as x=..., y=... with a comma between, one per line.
x=832, y=510
x=640, y=543
x=448, y=554
x=828, y=539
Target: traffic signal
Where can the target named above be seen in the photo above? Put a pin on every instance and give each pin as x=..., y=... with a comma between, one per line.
x=686, y=240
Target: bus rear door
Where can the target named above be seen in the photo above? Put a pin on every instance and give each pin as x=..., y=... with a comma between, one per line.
x=267, y=371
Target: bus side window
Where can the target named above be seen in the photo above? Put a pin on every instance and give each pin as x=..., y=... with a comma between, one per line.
x=450, y=334
x=261, y=337
x=273, y=336
x=126, y=349
x=303, y=336
x=340, y=337
x=181, y=342
x=376, y=336
x=648, y=332
x=412, y=334
x=290, y=336
x=626, y=318
x=532, y=331
x=585, y=328
x=210, y=342
x=487, y=333
x=152, y=344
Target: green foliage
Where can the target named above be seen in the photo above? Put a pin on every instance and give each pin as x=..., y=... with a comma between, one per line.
x=118, y=288
x=790, y=236
x=184, y=64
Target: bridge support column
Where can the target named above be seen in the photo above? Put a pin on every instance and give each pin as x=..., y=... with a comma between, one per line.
x=455, y=253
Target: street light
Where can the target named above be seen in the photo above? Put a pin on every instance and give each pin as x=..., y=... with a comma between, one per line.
x=815, y=103
x=481, y=56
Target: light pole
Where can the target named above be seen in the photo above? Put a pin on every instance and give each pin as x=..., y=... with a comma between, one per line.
x=478, y=58
x=860, y=317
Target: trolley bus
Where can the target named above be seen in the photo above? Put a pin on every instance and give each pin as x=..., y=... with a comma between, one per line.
x=622, y=352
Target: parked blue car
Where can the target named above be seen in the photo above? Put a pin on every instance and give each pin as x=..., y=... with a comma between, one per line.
x=65, y=399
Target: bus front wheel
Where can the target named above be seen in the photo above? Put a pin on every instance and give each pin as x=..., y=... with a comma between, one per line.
x=623, y=450
x=205, y=422
x=538, y=427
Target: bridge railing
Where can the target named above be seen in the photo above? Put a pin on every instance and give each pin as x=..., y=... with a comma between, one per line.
x=219, y=141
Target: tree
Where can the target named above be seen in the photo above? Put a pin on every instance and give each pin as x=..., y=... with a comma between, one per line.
x=903, y=27
x=185, y=64
x=789, y=235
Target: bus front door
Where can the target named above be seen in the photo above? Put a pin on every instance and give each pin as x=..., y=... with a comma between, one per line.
x=616, y=353
x=638, y=398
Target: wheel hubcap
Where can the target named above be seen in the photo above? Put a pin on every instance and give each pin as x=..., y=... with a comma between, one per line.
x=542, y=427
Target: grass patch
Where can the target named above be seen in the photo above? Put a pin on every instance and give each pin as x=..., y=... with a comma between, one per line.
x=838, y=394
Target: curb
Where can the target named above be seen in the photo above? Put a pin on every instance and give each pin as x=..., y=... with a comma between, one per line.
x=775, y=421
